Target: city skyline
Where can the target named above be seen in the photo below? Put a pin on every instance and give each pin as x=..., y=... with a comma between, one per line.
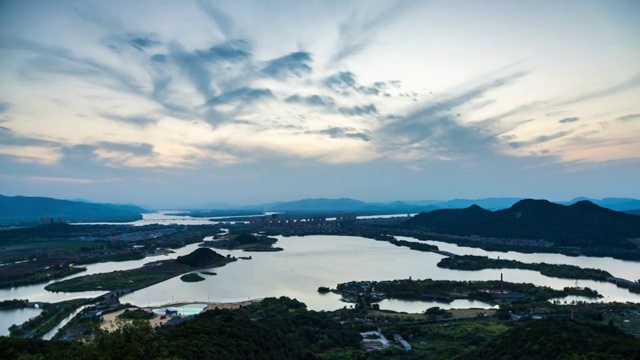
x=164, y=103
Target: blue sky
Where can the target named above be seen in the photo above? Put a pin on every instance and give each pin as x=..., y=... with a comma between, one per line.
x=176, y=103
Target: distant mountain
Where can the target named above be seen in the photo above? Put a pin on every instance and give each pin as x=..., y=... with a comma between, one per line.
x=487, y=203
x=305, y=205
x=618, y=204
x=580, y=224
x=634, y=212
x=332, y=206
x=31, y=209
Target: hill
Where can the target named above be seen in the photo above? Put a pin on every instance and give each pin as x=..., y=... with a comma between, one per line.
x=559, y=339
x=633, y=212
x=31, y=209
x=618, y=204
x=581, y=224
x=201, y=257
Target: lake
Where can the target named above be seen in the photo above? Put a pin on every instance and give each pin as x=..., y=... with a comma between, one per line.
x=321, y=260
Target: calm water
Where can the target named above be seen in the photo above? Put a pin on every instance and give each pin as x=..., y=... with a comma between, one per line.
x=15, y=316
x=312, y=261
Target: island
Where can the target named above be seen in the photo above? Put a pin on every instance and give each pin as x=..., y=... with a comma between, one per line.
x=191, y=278
x=365, y=293
x=147, y=275
x=242, y=240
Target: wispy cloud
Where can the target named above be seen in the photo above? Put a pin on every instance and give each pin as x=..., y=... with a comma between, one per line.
x=295, y=64
x=630, y=117
x=343, y=132
x=359, y=110
x=631, y=83
x=359, y=29
x=311, y=100
x=568, y=120
x=66, y=180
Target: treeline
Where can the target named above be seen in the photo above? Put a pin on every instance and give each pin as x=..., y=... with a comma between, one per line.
x=472, y=262
x=448, y=290
x=40, y=276
x=271, y=329
x=559, y=339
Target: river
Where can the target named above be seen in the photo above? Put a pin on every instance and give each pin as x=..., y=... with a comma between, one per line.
x=321, y=260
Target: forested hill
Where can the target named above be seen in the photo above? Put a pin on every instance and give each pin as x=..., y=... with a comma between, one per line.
x=580, y=224
x=560, y=339
x=31, y=209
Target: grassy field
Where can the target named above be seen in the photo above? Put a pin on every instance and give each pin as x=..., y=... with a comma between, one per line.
x=130, y=279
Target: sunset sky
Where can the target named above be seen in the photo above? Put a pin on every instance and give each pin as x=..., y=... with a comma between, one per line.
x=183, y=103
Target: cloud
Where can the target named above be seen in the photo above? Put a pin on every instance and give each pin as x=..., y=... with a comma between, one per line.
x=344, y=132
x=568, y=120
x=293, y=64
x=596, y=94
x=230, y=51
x=244, y=94
x=65, y=180
x=4, y=107
x=224, y=23
x=345, y=81
x=194, y=68
x=60, y=61
x=540, y=139
x=140, y=149
x=630, y=117
x=311, y=100
x=160, y=58
x=140, y=42
x=359, y=110
x=138, y=120
x=358, y=30
x=434, y=129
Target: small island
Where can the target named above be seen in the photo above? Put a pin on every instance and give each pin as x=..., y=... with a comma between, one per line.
x=245, y=242
x=191, y=277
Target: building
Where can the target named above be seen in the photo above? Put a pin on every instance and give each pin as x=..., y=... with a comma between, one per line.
x=402, y=342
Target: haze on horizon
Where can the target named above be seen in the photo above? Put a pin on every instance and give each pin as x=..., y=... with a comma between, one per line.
x=178, y=103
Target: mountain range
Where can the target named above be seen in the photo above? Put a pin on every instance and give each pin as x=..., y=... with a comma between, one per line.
x=580, y=224
x=31, y=209
x=351, y=205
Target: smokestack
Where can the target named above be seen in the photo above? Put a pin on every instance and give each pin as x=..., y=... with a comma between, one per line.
x=501, y=285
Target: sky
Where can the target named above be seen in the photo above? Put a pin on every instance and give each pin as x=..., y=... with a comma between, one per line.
x=188, y=103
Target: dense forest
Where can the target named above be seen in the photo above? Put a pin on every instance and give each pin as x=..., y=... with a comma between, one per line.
x=560, y=339
x=284, y=329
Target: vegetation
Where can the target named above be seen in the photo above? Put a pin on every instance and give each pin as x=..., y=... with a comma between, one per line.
x=128, y=279
x=13, y=304
x=202, y=257
x=208, y=273
x=582, y=224
x=136, y=314
x=323, y=290
x=241, y=240
x=559, y=339
x=446, y=290
x=284, y=329
x=471, y=262
x=142, y=277
x=50, y=316
x=40, y=276
x=191, y=277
